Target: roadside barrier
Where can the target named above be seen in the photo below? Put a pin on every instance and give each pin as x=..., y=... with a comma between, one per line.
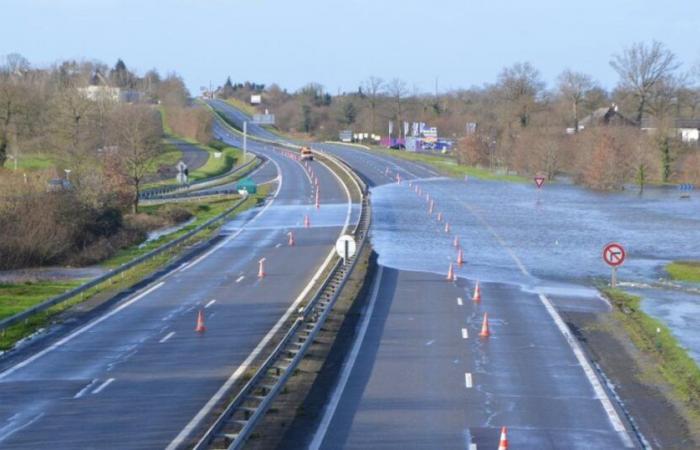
x=242, y=414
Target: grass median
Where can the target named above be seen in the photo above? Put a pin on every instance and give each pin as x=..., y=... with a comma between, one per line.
x=684, y=271
x=15, y=298
x=654, y=339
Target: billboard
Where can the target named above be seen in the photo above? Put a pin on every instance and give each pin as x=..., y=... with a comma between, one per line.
x=255, y=99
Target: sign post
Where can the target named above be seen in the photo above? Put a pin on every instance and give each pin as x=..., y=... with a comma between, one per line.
x=614, y=256
x=182, y=172
x=345, y=247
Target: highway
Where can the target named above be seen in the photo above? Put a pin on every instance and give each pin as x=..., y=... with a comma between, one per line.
x=419, y=376
x=138, y=375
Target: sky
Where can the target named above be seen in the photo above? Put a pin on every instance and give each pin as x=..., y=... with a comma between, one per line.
x=459, y=43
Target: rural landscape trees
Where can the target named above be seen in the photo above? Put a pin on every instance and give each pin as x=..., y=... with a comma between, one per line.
x=77, y=141
x=519, y=124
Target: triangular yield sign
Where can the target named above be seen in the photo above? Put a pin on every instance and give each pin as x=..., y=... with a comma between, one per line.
x=539, y=181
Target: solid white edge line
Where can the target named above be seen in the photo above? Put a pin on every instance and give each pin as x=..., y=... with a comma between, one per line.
x=332, y=405
x=102, y=387
x=590, y=374
x=79, y=331
x=214, y=400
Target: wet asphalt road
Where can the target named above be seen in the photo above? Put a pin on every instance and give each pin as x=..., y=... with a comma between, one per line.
x=136, y=376
x=422, y=377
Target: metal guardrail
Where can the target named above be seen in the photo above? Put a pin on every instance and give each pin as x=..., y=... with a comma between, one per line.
x=9, y=321
x=170, y=189
x=240, y=417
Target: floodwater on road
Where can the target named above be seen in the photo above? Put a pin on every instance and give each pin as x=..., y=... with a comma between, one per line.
x=547, y=240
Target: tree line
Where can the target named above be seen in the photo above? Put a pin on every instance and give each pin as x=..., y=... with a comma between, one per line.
x=519, y=124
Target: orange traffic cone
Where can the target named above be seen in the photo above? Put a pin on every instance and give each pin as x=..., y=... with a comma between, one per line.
x=318, y=204
x=455, y=242
x=451, y=273
x=261, y=268
x=439, y=217
x=485, y=327
x=503, y=443
x=460, y=258
x=477, y=293
x=430, y=208
x=447, y=227
x=200, y=328
x=307, y=222
x=291, y=239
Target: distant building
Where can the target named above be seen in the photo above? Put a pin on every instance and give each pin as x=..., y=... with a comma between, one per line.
x=607, y=116
x=101, y=93
x=687, y=130
x=100, y=90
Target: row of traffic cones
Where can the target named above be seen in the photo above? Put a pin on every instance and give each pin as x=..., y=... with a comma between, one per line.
x=485, y=331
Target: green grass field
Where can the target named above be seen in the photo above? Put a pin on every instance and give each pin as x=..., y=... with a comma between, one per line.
x=15, y=298
x=31, y=162
x=684, y=271
x=449, y=166
x=216, y=166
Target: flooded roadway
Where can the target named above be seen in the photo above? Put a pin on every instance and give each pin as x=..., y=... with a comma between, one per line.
x=549, y=241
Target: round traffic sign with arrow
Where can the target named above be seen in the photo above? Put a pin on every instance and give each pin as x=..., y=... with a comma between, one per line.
x=614, y=254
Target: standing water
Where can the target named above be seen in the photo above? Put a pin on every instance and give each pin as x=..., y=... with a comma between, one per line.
x=549, y=240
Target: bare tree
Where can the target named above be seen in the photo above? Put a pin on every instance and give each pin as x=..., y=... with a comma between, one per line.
x=372, y=88
x=137, y=134
x=14, y=109
x=397, y=90
x=521, y=86
x=574, y=86
x=641, y=68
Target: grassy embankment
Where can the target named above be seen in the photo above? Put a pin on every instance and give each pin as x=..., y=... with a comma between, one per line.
x=17, y=297
x=654, y=339
x=241, y=105
x=449, y=166
x=684, y=271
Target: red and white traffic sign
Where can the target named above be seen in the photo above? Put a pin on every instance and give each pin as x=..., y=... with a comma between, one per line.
x=539, y=181
x=614, y=254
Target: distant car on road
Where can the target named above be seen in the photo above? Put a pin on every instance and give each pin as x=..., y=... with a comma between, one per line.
x=398, y=147
x=307, y=154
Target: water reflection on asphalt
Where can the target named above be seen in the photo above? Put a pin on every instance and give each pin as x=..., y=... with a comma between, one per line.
x=557, y=234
